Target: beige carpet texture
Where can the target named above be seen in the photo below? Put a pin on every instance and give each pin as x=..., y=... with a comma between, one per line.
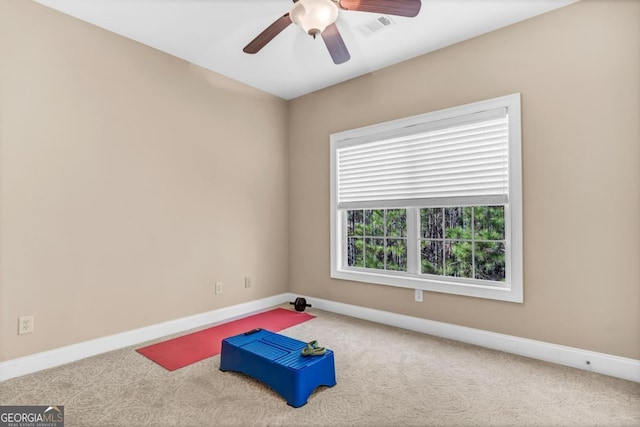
x=385, y=376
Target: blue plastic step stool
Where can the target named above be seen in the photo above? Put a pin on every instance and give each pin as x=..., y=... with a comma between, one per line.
x=277, y=361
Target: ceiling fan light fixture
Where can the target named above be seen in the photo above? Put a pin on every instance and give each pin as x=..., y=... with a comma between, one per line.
x=314, y=15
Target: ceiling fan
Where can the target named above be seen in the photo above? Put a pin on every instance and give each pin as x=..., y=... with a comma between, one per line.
x=319, y=16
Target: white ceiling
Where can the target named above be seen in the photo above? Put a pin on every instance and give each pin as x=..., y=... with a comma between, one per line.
x=212, y=33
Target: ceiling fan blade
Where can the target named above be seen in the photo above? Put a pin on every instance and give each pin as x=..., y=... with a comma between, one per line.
x=268, y=34
x=409, y=8
x=335, y=44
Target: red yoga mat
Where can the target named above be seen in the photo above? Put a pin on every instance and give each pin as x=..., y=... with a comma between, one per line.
x=179, y=352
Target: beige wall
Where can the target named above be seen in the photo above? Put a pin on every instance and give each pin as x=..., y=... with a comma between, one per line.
x=130, y=183
x=578, y=72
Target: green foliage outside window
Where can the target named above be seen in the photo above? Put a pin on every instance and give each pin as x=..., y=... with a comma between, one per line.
x=472, y=246
x=464, y=242
x=377, y=238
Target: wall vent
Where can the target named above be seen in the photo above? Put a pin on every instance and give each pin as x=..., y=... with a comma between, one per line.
x=373, y=27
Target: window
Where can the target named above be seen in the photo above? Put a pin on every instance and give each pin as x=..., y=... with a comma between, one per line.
x=432, y=202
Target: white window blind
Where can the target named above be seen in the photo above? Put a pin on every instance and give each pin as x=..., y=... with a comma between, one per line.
x=458, y=161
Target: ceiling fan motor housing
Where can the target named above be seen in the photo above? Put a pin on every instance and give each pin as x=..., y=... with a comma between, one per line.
x=314, y=15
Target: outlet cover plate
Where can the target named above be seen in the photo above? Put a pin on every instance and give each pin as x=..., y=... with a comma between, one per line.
x=25, y=325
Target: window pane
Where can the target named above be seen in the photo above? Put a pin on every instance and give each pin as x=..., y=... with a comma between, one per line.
x=374, y=253
x=374, y=222
x=355, y=225
x=396, y=223
x=490, y=261
x=396, y=252
x=431, y=257
x=458, y=259
x=355, y=252
x=431, y=223
x=457, y=223
x=489, y=222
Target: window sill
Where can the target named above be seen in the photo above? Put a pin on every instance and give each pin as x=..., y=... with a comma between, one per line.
x=510, y=294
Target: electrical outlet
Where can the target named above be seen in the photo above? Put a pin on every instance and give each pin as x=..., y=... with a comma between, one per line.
x=218, y=288
x=418, y=295
x=248, y=281
x=25, y=325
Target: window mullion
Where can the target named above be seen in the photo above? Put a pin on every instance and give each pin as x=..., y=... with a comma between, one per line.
x=385, y=237
x=444, y=243
x=473, y=242
x=413, y=242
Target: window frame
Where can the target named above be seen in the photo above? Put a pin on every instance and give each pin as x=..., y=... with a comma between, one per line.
x=512, y=290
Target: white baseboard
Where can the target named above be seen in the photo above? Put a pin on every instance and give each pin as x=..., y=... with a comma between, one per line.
x=602, y=363
x=60, y=356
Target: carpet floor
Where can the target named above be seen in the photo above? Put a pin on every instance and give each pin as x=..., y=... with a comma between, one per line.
x=385, y=377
